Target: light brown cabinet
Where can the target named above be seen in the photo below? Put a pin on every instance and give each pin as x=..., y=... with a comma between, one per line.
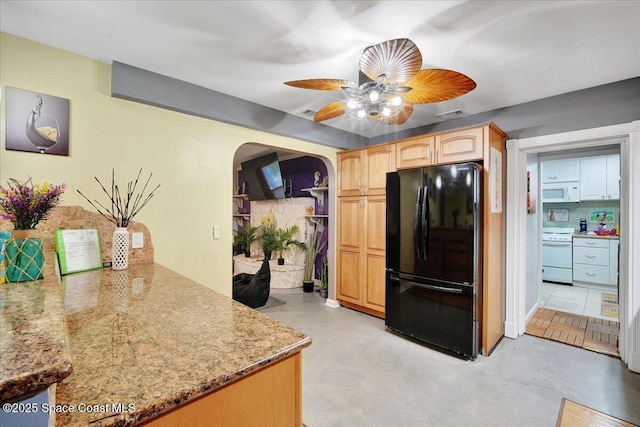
x=361, y=253
x=460, y=146
x=415, y=152
x=363, y=171
x=273, y=393
x=362, y=218
x=361, y=227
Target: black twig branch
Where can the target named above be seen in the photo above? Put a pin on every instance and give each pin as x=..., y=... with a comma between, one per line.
x=122, y=209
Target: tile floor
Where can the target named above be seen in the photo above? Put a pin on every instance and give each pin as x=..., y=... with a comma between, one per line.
x=574, y=299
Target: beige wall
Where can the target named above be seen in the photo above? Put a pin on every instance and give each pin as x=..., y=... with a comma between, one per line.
x=192, y=158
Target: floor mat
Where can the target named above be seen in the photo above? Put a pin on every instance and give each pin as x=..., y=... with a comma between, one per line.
x=609, y=305
x=573, y=414
x=585, y=332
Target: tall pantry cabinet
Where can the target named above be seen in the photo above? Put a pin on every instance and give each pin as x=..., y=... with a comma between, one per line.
x=362, y=210
x=361, y=227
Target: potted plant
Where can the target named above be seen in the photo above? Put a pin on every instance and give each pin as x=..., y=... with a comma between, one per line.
x=246, y=237
x=268, y=239
x=314, y=246
x=284, y=237
x=25, y=204
x=324, y=278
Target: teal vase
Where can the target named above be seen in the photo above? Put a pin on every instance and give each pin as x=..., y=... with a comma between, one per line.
x=24, y=259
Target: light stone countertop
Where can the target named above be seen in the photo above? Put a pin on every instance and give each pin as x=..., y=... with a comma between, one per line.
x=34, y=344
x=146, y=340
x=579, y=235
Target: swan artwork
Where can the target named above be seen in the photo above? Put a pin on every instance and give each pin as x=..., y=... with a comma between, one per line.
x=42, y=130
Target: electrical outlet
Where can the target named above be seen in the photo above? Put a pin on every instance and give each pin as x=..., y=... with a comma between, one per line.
x=137, y=240
x=216, y=232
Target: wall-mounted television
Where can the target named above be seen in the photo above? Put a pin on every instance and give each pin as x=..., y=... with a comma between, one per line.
x=263, y=177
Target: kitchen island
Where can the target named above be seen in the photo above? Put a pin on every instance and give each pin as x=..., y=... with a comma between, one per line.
x=152, y=347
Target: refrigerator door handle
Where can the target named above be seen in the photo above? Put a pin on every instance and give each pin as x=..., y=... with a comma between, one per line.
x=424, y=238
x=416, y=225
x=425, y=286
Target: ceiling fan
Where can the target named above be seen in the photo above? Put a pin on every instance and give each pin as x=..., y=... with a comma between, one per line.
x=393, y=83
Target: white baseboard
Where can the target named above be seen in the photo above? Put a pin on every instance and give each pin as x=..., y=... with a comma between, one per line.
x=332, y=303
x=634, y=362
x=510, y=330
x=531, y=312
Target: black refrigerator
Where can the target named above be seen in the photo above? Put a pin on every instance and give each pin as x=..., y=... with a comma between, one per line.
x=433, y=261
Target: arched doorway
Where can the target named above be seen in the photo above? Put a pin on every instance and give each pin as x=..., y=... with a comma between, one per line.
x=297, y=182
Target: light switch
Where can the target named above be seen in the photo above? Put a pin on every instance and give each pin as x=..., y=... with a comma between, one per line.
x=137, y=240
x=216, y=232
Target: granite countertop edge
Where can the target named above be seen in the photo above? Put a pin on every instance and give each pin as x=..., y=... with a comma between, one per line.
x=19, y=381
x=183, y=397
x=16, y=385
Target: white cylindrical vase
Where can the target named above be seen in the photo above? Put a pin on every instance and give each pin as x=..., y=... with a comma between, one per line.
x=120, y=249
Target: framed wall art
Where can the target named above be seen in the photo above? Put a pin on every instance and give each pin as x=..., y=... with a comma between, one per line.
x=36, y=122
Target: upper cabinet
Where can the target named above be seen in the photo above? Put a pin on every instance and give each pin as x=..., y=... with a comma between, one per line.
x=613, y=176
x=350, y=173
x=415, y=152
x=560, y=171
x=463, y=145
x=378, y=160
x=363, y=171
x=460, y=146
x=600, y=177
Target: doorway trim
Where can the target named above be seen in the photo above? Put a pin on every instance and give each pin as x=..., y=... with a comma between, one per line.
x=628, y=135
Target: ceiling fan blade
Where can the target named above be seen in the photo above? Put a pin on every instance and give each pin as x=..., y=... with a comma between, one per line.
x=435, y=85
x=330, y=111
x=399, y=118
x=321, y=84
x=399, y=60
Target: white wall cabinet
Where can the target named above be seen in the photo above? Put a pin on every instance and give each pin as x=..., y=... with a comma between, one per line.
x=600, y=177
x=592, y=261
x=613, y=261
x=560, y=170
x=613, y=176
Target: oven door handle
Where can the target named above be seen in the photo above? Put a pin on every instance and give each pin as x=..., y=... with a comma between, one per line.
x=556, y=243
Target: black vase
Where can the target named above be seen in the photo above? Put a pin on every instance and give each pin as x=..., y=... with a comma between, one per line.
x=280, y=261
x=307, y=286
x=247, y=254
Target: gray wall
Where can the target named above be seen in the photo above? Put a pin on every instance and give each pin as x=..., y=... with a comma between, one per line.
x=136, y=84
x=605, y=105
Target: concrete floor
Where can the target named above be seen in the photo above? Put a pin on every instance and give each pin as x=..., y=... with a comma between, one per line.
x=358, y=374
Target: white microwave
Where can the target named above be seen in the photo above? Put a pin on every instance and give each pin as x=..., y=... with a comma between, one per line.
x=561, y=192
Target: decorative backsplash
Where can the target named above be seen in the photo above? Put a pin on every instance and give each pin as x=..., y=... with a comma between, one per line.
x=75, y=217
x=577, y=211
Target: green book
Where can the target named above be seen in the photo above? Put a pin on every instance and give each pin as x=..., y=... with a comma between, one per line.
x=78, y=250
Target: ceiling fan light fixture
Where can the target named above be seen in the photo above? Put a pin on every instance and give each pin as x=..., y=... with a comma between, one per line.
x=394, y=82
x=396, y=101
x=352, y=104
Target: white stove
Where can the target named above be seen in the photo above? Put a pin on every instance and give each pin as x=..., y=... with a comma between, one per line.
x=557, y=254
x=557, y=234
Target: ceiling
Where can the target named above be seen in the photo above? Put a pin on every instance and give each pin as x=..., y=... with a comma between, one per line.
x=516, y=51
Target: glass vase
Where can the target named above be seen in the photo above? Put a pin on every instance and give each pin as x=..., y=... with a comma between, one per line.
x=24, y=256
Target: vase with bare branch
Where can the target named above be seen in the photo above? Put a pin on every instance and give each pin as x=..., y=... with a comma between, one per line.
x=124, y=206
